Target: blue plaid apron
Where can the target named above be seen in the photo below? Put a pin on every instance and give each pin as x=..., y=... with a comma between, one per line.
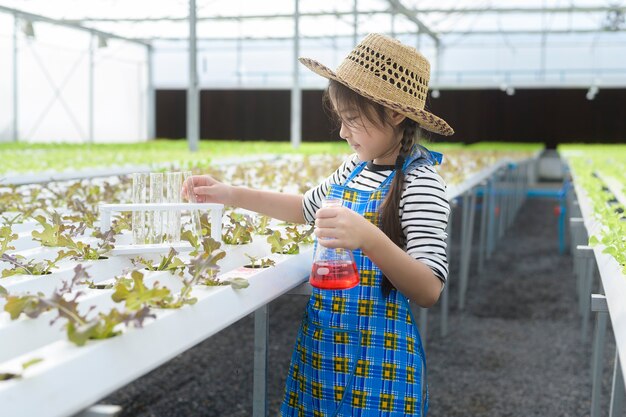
x=359, y=353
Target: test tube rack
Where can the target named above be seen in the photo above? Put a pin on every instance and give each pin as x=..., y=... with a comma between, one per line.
x=106, y=211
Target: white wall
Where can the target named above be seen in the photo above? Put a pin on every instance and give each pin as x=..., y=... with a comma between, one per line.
x=6, y=83
x=54, y=88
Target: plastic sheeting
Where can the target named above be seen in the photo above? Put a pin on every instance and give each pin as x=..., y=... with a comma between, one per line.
x=56, y=102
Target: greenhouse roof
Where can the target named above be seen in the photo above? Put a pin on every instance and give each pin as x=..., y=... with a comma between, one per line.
x=442, y=20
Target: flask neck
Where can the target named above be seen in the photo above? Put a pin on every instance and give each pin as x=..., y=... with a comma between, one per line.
x=331, y=202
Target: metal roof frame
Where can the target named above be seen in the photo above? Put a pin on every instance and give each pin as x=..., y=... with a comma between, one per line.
x=35, y=17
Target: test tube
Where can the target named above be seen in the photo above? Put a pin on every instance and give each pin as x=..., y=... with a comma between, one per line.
x=173, y=183
x=191, y=197
x=139, y=229
x=155, y=218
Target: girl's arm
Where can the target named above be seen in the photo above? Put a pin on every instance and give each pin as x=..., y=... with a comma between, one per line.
x=286, y=207
x=351, y=231
x=282, y=206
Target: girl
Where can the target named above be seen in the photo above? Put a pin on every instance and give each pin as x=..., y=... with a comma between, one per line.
x=358, y=351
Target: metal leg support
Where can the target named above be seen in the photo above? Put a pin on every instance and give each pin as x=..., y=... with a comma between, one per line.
x=502, y=205
x=598, y=304
x=261, y=331
x=491, y=218
x=588, y=263
x=445, y=302
x=424, y=325
x=469, y=200
x=617, y=389
x=482, y=246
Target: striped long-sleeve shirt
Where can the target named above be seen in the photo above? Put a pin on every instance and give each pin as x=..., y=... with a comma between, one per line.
x=424, y=209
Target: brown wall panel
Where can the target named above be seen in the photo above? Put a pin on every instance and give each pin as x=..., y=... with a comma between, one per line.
x=549, y=116
x=171, y=110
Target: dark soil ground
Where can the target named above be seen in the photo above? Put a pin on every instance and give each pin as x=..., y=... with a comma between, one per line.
x=515, y=351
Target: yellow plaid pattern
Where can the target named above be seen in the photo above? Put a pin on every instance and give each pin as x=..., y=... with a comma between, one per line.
x=386, y=402
x=376, y=195
x=350, y=196
x=318, y=413
x=293, y=399
x=389, y=371
x=362, y=368
x=316, y=388
x=368, y=277
x=302, y=353
x=317, y=361
x=365, y=307
x=358, y=398
x=341, y=338
x=410, y=374
x=338, y=305
x=341, y=365
x=317, y=301
x=317, y=334
x=410, y=344
x=301, y=382
x=392, y=311
x=338, y=392
x=391, y=341
x=372, y=217
x=409, y=405
x=366, y=338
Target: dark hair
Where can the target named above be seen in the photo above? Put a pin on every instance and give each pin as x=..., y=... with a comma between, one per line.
x=377, y=114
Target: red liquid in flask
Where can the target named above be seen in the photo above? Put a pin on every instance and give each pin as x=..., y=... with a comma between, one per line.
x=334, y=275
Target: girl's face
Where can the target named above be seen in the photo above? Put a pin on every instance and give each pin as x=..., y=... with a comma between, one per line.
x=377, y=142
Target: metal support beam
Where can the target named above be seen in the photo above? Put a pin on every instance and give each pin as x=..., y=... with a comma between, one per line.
x=484, y=211
x=90, y=124
x=616, y=408
x=597, y=355
x=410, y=33
x=445, y=296
x=151, y=99
x=65, y=23
x=544, y=39
x=588, y=268
x=261, y=333
x=438, y=61
x=355, y=23
x=423, y=11
x=193, y=102
x=412, y=16
x=15, y=130
x=467, y=232
x=296, y=92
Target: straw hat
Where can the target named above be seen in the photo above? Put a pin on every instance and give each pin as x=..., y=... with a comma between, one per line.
x=389, y=73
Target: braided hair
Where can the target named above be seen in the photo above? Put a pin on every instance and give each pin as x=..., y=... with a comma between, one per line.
x=377, y=114
x=389, y=218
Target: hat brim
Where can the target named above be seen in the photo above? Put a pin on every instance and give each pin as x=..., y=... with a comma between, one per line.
x=425, y=119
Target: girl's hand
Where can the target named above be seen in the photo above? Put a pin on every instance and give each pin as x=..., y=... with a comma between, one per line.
x=346, y=228
x=207, y=190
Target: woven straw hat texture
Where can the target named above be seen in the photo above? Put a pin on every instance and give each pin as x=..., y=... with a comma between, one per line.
x=389, y=73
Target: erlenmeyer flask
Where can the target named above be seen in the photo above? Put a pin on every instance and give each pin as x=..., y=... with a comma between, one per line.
x=333, y=269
